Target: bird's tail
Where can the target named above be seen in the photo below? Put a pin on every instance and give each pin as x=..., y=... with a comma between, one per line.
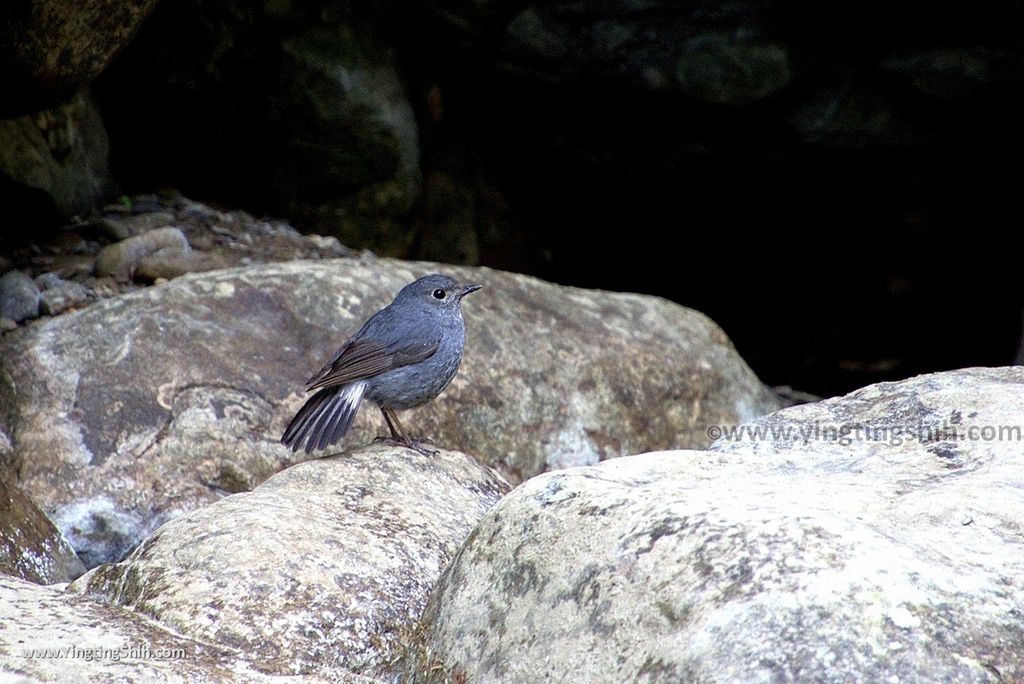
x=325, y=417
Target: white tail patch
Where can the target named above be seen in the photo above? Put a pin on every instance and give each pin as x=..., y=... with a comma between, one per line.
x=352, y=395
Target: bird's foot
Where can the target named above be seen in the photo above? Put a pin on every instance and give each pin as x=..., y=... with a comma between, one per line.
x=416, y=445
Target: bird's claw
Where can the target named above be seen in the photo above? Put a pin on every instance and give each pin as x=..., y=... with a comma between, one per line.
x=414, y=444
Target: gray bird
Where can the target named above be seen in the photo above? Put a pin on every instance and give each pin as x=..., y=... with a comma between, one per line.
x=402, y=357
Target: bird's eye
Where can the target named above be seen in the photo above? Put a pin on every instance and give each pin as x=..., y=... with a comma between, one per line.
x=439, y=293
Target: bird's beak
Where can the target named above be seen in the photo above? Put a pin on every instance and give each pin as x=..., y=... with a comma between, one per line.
x=466, y=289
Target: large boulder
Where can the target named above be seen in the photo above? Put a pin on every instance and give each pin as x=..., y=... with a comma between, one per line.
x=323, y=569
x=964, y=419
x=139, y=408
x=50, y=49
x=30, y=546
x=51, y=636
x=830, y=563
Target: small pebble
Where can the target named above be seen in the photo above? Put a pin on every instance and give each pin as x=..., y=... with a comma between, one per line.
x=150, y=221
x=146, y=204
x=113, y=228
x=72, y=266
x=6, y=325
x=63, y=296
x=19, y=297
x=117, y=209
x=45, y=281
x=120, y=259
x=66, y=242
x=105, y=286
x=172, y=262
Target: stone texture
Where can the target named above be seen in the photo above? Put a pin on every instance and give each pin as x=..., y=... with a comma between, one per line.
x=65, y=261
x=676, y=49
x=175, y=394
x=962, y=418
x=348, y=117
x=828, y=563
x=19, y=296
x=323, y=569
x=30, y=546
x=59, y=295
x=53, y=163
x=40, y=618
x=121, y=259
x=171, y=262
x=50, y=49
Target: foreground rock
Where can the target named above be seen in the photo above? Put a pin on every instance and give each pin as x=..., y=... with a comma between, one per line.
x=323, y=569
x=962, y=419
x=831, y=565
x=172, y=396
x=50, y=636
x=30, y=546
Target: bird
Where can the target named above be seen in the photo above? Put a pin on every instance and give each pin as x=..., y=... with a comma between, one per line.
x=404, y=356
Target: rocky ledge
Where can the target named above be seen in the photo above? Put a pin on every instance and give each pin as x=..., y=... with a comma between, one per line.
x=786, y=553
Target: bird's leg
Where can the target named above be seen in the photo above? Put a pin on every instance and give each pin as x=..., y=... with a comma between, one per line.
x=398, y=434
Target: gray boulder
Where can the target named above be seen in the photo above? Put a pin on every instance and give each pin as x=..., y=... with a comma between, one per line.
x=30, y=546
x=865, y=562
x=323, y=569
x=19, y=296
x=174, y=395
x=963, y=419
x=51, y=636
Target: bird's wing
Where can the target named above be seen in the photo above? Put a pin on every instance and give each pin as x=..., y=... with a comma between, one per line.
x=359, y=359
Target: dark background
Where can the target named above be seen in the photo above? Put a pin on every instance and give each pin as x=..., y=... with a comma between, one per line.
x=836, y=184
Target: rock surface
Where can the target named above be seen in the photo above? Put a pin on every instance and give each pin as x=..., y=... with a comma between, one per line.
x=19, y=296
x=91, y=642
x=30, y=546
x=139, y=422
x=964, y=419
x=187, y=236
x=61, y=295
x=53, y=163
x=867, y=562
x=323, y=569
x=50, y=49
x=120, y=259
